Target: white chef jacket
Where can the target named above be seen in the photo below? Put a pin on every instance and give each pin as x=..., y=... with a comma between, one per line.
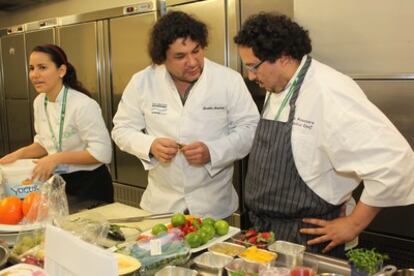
x=84, y=128
x=340, y=138
x=219, y=111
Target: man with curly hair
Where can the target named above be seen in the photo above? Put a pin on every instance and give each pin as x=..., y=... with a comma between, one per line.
x=187, y=119
x=318, y=138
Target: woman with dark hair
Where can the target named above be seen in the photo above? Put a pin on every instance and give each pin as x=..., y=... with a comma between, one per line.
x=71, y=137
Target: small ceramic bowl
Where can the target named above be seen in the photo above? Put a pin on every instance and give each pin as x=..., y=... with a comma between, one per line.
x=4, y=253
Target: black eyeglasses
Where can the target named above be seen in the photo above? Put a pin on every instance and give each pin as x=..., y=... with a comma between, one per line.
x=253, y=68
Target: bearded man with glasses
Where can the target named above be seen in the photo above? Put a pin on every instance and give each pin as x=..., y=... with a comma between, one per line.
x=318, y=138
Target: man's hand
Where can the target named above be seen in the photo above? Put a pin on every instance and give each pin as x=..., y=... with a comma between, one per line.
x=342, y=229
x=196, y=153
x=45, y=167
x=164, y=149
x=337, y=231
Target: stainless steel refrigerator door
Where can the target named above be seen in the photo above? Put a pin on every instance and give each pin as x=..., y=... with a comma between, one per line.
x=248, y=7
x=212, y=13
x=3, y=134
x=128, y=44
x=80, y=44
x=18, y=125
x=14, y=66
x=395, y=98
x=34, y=39
x=360, y=37
x=2, y=139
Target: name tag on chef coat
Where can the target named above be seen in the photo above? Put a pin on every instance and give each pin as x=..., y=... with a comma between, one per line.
x=159, y=108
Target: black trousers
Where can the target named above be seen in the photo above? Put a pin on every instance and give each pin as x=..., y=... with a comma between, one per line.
x=89, y=188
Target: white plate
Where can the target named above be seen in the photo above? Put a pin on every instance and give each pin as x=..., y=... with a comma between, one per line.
x=23, y=270
x=7, y=228
x=232, y=231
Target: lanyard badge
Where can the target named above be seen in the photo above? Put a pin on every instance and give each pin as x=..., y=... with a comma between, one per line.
x=57, y=142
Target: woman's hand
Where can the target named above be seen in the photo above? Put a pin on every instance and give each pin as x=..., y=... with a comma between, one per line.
x=10, y=158
x=45, y=167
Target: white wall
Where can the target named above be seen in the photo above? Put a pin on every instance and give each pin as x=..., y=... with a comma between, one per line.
x=361, y=37
x=55, y=9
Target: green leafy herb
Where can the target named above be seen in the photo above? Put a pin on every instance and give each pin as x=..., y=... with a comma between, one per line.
x=366, y=260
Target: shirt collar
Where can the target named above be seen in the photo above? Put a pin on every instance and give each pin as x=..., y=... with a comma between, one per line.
x=59, y=97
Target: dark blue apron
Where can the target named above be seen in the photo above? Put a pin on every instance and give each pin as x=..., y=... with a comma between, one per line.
x=276, y=197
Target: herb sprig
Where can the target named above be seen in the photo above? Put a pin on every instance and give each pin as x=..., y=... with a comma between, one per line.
x=366, y=260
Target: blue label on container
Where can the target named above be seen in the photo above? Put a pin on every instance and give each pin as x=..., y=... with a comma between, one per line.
x=22, y=190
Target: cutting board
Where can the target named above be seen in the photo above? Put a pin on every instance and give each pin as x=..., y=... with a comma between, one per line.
x=119, y=210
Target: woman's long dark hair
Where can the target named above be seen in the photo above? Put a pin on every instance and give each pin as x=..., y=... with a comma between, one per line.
x=58, y=56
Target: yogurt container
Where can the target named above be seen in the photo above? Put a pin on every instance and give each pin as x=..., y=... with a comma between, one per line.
x=16, y=178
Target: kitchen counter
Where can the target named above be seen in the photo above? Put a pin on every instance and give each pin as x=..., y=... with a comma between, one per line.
x=119, y=210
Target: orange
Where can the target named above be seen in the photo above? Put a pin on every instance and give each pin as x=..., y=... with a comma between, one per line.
x=11, y=210
x=31, y=200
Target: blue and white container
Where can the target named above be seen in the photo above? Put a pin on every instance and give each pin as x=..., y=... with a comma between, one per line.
x=17, y=178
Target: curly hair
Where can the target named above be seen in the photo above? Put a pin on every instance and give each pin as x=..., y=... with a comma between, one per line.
x=169, y=28
x=272, y=35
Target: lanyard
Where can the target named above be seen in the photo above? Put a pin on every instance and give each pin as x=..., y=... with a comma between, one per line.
x=58, y=143
x=288, y=95
x=285, y=99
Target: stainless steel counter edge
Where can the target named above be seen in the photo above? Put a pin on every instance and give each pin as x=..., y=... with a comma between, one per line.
x=328, y=264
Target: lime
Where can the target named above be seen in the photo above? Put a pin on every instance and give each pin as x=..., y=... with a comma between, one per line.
x=208, y=221
x=193, y=239
x=196, y=224
x=222, y=227
x=158, y=229
x=204, y=236
x=178, y=220
x=211, y=231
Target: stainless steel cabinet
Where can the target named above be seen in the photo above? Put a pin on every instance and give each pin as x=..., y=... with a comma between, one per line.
x=79, y=41
x=34, y=39
x=18, y=123
x=14, y=66
x=16, y=96
x=395, y=98
x=128, y=44
x=3, y=136
x=213, y=14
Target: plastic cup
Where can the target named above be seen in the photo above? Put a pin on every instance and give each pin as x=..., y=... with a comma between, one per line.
x=302, y=271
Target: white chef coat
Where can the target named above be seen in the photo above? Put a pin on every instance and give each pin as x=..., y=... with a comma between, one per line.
x=219, y=111
x=84, y=128
x=340, y=138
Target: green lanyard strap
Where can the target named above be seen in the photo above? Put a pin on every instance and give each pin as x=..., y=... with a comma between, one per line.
x=287, y=97
x=284, y=102
x=57, y=143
